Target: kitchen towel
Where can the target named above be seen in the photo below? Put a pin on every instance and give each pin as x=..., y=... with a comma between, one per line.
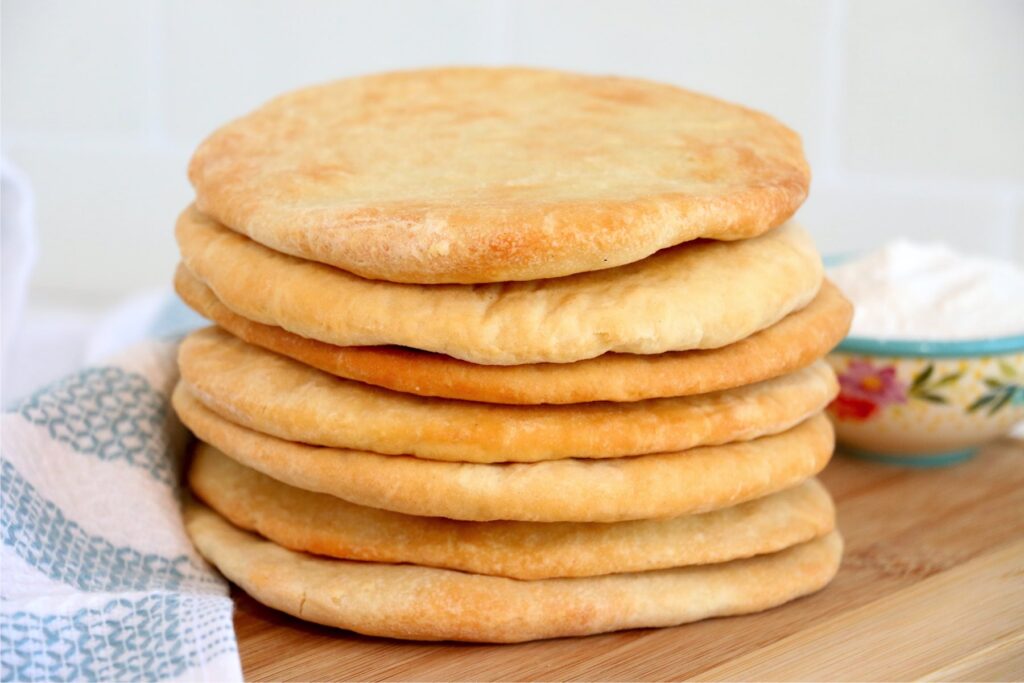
x=99, y=580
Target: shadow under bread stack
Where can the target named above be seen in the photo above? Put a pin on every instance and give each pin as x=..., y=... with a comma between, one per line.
x=506, y=354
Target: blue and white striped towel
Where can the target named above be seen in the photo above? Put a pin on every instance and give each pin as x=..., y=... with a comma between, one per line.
x=99, y=580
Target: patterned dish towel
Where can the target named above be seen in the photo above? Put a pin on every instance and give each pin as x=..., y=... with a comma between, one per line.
x=99, y=580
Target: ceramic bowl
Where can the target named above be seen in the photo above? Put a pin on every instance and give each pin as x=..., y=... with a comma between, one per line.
x=926, y=403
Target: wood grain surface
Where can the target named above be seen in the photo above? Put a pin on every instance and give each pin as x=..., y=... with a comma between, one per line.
x=932, y=587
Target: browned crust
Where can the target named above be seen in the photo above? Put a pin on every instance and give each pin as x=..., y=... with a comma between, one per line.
x=571, y=490
x=425, y=603
x=485, y=175
x=701, y=295
x=793, y=343
x=273, y=394
x=322, y=524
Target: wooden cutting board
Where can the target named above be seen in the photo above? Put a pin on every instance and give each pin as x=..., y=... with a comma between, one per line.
x=932, y=586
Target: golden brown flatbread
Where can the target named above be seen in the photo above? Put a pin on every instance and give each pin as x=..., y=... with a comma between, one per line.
x=466, y=175
x=426, y=603
x=325, y=525
x=275, y=395
x=700, y=295
x=571, y=490
x=790, y=344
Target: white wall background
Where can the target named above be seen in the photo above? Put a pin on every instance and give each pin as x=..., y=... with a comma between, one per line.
x=912, y=111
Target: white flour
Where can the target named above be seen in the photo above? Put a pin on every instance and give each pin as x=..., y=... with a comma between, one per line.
x=909, y=290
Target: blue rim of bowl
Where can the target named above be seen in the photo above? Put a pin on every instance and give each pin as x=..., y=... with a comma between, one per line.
x=923, y=461
x=929, y=348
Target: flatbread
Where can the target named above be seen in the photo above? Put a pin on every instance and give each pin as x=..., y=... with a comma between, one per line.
x=426, y=603
x=276, y=395
x=572, y=490
x=700, y=295
x=790, y=344
x=325, y=525
x=486, y=175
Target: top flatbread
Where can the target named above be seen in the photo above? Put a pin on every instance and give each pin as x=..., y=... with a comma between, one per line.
x=700, y=295
x=485, y=175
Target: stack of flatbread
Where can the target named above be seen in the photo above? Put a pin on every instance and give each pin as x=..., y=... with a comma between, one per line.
x=505, y=354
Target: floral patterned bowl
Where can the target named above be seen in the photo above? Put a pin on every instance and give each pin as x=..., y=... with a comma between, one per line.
x=926, y=403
